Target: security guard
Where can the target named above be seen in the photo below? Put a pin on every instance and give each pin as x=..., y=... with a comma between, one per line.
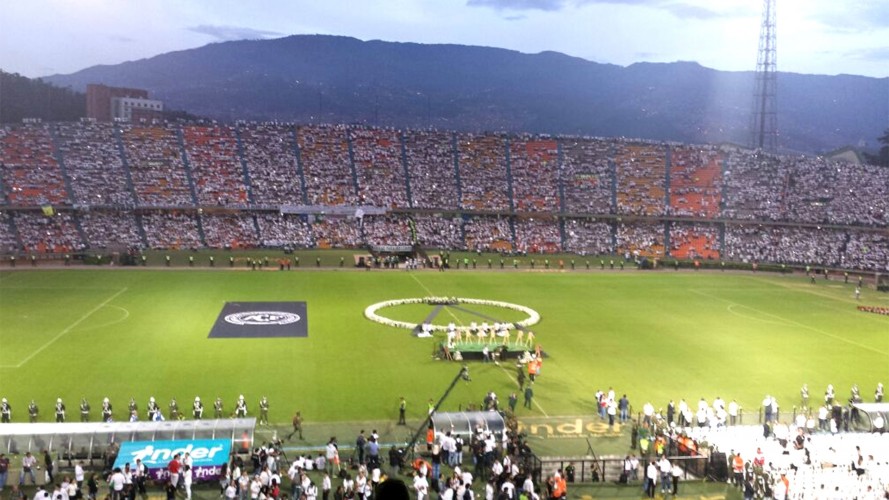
x=152, y=409
x=84, y=410
x=5, y=411
x=241, y=407
x=106, y=410
x=60, y=410
x=33, y=411
x=217, y=408
x=197, y=408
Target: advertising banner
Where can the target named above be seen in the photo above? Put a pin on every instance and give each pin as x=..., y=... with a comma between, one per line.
x=207, y=456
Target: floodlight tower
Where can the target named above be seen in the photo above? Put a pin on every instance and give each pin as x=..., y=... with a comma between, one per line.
x=764, y=126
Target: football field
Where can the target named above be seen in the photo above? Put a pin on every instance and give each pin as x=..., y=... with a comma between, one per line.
x=655, y=336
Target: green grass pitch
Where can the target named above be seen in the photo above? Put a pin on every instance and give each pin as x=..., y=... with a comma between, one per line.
x=653, y=335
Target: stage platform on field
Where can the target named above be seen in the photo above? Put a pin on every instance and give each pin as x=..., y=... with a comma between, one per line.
x=473, y=350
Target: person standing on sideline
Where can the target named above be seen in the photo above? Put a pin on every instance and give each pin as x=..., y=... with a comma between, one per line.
x=4, y=471
x=173, y=468
x=5, y=411
x=84, y=410
x=264, y=411
x=29, y=462
x=33, y=411
x=529, y=394
x=513, y=400
x=60, y=410
x=402, y=407
x=676, y=473
x=650, y=479
x=106, y=410
x=47, y=462
x=297, y=426
x=624, y=406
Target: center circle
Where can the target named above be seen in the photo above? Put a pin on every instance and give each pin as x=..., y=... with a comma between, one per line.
x=371, y=311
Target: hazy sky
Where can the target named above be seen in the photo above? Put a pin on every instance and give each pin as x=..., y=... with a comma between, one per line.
x=43, y=37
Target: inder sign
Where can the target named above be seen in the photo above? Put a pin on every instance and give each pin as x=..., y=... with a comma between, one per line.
x=208, y=456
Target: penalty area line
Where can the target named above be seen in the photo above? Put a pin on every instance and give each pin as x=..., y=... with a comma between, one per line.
x=70, y=327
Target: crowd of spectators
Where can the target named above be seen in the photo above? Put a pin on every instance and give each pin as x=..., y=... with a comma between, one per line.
x=175, y=230
x=278, y=230
x=29, y=171
x=92, y=160
x=42, y=234
x=8, y=241
x=324, y=154
x=154, y=158
x=218, y=175
x=588, y=237
x=867, y=250
x=337, y=232
x=641, y=178
x=379, y=167
x=695, y=183
x=537, y=235
x=488, y=234
x=435, y=231
x=110, y=229
x=483, y=178
x=535, y=176
x=694, y=241
x=430, y=160
x=269, y=153
x=753, y=186
x=641, y=239
x=387, y=230
x=790, y=245
x=258, y=167
x=229, y=230
x=800, y=464
x=587, y=176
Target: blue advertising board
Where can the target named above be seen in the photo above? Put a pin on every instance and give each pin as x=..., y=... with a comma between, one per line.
x=207, y=456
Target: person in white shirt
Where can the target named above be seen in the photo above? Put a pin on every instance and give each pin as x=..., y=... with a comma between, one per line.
x=733, y=412
x=489, y=490
x=421, y=486
x=666, y=469
x=311, y=492
x=78, y=474
x=187, y=478
x=325, y=486
x=528, y=485
x=255, y=488
x=244, y=484
x=231, y=491
x=650, y=479
x=508, y=488
x=116, y=481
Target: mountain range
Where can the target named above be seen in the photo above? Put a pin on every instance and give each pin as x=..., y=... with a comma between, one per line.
x=333, y=79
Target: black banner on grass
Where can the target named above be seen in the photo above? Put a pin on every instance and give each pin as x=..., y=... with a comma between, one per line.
x=261, y=319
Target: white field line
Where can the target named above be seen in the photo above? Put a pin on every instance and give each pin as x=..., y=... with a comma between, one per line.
x=69, y=328
x=505, y=372
x=796, y=323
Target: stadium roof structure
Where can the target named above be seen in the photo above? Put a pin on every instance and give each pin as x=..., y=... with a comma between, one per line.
x=88, y=440
x=873, y=417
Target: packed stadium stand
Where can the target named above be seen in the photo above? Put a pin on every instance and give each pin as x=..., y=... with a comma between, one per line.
x=193, y=185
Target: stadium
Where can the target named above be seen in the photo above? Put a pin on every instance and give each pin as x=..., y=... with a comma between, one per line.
x=304, y=307
x=647, y=264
